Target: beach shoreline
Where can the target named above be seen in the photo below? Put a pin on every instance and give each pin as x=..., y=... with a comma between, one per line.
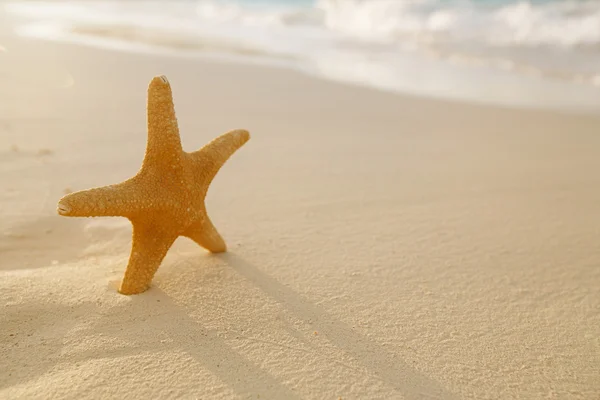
x=430, y=72
x=381, y=245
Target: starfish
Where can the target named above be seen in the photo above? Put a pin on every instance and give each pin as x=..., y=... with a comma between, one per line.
x=165, y=199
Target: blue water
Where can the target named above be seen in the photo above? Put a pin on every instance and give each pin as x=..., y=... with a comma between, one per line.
x=513, y=52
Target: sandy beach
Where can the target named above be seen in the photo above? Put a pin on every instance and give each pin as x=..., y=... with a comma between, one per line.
x=380, y=246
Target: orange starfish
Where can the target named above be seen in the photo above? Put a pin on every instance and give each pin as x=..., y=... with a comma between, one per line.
x=165, y=199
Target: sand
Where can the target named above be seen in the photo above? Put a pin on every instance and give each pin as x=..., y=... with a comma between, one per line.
x=381, y=246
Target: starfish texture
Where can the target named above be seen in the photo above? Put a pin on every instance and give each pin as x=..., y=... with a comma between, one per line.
x=165, y=199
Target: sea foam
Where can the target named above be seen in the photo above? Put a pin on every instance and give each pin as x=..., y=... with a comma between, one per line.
x=406, y=45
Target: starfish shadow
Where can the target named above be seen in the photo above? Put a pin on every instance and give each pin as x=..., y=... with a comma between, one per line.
x=212, y=352
x=371, y=355
x=153, y=323
x=156, y=322
x=161, y=325
x=33, y=324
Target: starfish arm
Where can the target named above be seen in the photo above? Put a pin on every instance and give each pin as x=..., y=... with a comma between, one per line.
x=211, y=157
x=164, y=142
x=205, y=234
x=120, y=200
x=150, y=245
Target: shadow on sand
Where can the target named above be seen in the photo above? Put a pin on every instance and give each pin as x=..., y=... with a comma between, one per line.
x=155, y=314
x=405, y=379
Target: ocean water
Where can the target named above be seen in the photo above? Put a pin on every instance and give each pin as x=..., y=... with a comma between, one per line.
x=525, y=53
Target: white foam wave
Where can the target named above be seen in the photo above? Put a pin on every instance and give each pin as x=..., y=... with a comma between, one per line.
x=559, y=23
x=520, y=23
x=554, y=24
x=377, y=42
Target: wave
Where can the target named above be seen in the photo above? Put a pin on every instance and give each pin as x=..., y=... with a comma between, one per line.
x=568, y=23
x=376, y=42
x=521, y=23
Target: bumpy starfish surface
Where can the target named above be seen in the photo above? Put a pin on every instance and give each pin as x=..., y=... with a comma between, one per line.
x=165, y=199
